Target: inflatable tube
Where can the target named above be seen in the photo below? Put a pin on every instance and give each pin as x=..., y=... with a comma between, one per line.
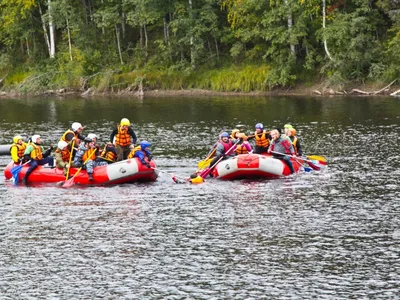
x=5, y=149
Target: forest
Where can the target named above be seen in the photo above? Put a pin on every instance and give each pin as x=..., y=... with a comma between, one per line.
x=217, y=45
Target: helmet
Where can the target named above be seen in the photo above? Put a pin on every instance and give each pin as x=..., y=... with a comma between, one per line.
x=35, y=138
x=62, y=144
x=235, y=131
x=17, y=138
x=92, y=136
x=144, y=144
x=75, y=126
x=242, y=136
x=260, y=126
x=125, y=122
x=288, y=126
x=224, y=134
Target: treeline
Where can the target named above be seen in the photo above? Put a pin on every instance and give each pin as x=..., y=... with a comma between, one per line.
x=225, y=45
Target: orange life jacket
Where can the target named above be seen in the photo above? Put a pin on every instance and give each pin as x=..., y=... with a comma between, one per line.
x=122, y=138
x=20, y=150
x=241, y=149
x=65, y=154
x=261, y=139
x=89, y=154
x=109, y=155
x=294, y=143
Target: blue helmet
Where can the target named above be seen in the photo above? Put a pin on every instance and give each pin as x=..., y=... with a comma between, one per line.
x=260, y=126
x=144, y=144
x=224, y=134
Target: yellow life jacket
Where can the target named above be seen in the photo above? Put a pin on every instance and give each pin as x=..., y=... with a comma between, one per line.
x=294, y=143
x=108, y=155
x=36, y=153
x=89, y=154
x=122, y=138
x=241, y=149
x=196, y=180
x=65, y=154
x=261, y=139
x=64, y=136
x=20, y=151
x=133, y=151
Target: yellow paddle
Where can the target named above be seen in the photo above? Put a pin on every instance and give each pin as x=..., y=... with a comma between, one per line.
x=316, y=157
x=206, y=162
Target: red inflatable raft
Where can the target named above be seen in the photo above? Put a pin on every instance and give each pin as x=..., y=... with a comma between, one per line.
x=245, y=166
x=126, y=171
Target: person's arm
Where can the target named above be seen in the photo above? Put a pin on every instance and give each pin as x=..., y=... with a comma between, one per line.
x=220, y=150
x=248, y=146
x=113, y=133
x=133, y=135
x=14, y=154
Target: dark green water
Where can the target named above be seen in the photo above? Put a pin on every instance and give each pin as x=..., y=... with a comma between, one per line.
x=333, y=234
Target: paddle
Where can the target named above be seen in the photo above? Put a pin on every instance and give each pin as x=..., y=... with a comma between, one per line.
x=70, y=182
x=206, y=162
x=174, y=178
x=15, y=171
x=206, y=172
x=321, y=159
x=70, y=158
x=309, y=162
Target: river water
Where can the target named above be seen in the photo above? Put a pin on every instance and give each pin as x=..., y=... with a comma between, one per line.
x=333, y=234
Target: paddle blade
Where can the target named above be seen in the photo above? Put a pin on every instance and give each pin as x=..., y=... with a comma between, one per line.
x=70, y=182
x=15, y=172
x=204, y=164
x=316, y=157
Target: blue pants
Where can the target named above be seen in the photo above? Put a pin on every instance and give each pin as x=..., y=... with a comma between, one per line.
x=287, y=160
x=34, y=163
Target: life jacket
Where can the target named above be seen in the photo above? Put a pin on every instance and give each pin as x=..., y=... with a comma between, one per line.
x=294, y=143
x=241, y=149
x=20, y=149
x=89, y=154
x=64, y=136
x=196, y=180
x=65, y=154
x=134, y=150
x=261, y=139
x=36, y=153
x=122, y=138
x=227, y=146
x=108, y=155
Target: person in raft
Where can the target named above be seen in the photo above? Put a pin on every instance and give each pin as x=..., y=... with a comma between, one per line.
x=281, y=145
x=35, y=153
x=223, y=147
x=142, y=152
x=262, y=138
x=74, y=133
x=123, y=134
x=295, y=141
x=108, y=154
x=17, y=149
x=62, y=156
x=86, y=157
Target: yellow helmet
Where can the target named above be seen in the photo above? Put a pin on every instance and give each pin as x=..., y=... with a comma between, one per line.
x=125, y=122
x=234, y=131
x=17, y=138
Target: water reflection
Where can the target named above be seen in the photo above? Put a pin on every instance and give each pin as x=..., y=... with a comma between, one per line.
x=333, y=234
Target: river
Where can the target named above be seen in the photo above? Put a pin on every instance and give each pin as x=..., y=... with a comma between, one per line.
x=333, y=234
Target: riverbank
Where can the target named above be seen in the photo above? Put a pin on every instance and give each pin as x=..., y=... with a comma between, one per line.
x=299, y=90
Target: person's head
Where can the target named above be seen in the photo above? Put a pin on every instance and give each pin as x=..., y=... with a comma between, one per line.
x=275, y=134
x=287, y=127
x=259, y=127
x=235, y=133
x=17, y=139
x=77, y=127
x=225, y=137
x=89, y=143
x=93, y=137
x=36, y=139
x=291, y=132
x=62, y=145
x=125, y=123
x=144, y=145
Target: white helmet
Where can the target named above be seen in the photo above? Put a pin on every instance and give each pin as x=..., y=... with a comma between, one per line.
x=62, y=144
x=75, y=126
x=35, y=138
x=92, y=136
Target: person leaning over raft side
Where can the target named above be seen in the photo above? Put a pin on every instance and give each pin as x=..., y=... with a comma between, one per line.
x=281, y=145
x=87, y=153
x=262, y=138
x=17, y=149
x=74, y=132
x=291, y=133
x=222, y=148
x=123, y=134
x=108, y=154
x=143, y=153
x=37, y=156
